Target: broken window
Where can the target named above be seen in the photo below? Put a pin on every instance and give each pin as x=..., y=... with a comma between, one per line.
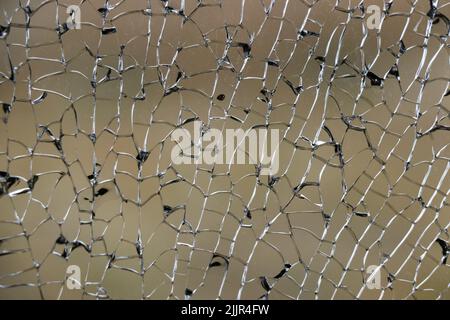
x=92, y=90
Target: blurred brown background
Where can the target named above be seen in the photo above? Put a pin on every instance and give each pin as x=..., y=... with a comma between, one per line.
x=386, y=206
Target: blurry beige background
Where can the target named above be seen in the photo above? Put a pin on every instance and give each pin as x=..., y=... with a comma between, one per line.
x=161, y=228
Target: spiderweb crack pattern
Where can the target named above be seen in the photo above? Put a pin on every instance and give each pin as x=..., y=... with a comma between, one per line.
x=86, y=176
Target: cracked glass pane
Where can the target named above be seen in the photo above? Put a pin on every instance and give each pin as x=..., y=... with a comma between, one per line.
x=93, y=205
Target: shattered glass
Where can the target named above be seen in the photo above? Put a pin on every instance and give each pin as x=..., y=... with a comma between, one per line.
x=86, y=176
